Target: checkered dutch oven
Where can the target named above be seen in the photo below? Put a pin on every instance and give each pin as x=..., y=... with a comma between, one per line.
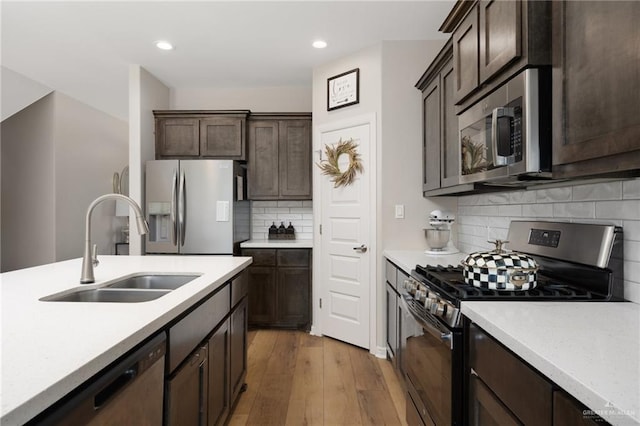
x=500, y=270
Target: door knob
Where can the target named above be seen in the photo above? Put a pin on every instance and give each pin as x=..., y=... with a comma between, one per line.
x=361, y=249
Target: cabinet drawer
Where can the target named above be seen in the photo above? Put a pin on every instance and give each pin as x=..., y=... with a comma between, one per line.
x=494, y=364
x=390, y=272
x=185, y=335
x=293, y=257
x=239, y=288
x=261, y=257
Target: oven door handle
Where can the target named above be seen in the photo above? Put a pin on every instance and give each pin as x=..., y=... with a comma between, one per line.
x=433, y=329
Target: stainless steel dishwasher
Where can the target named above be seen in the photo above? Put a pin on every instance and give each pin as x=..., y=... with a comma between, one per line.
x=130, y=392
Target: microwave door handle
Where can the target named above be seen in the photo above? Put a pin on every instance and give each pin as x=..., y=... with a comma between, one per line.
x=501, y=136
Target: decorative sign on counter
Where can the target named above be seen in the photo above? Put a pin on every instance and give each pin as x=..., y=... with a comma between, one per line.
x=343, y=89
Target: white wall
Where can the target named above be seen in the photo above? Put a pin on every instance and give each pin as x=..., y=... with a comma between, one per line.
x=18, y=92
x=28, y=187
x=615, y=203
x=400, y=171
x=146, y=93
x=257, y=99
x=58, y=155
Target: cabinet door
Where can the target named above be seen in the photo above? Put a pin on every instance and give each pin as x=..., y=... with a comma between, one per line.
x=219, y=388
x=392, y=321
x=595, y=86
x=431, y=136
x=177, y=137
x=486, y=409
x=450, y=140
x=263, y=160
x=238, y=349
x=295, y=159
x=465, y=56
x=187, y=392
x=222, y=137
x=262, y=295
x=294, y=287
x=500, y=34
x=569, y=412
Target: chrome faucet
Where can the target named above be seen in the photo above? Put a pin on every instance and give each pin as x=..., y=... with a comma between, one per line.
x=90, y=258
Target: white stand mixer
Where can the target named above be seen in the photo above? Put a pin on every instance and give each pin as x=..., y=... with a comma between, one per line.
x=439, y=236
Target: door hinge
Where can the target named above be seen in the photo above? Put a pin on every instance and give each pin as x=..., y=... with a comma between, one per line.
x=320, y=303
x=320, y=229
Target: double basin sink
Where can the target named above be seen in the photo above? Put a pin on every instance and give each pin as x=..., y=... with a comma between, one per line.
x=131, y=289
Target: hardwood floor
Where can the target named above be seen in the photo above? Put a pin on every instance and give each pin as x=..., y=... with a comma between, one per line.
x=294, y=378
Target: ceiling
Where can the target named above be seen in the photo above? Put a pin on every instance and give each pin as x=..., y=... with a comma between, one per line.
x=84, y=48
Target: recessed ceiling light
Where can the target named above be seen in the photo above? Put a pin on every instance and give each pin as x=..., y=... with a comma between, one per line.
x=319, y=44
x=164, y=45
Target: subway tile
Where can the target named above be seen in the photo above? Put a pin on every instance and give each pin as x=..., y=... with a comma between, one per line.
x=632, y=251
x=537, y=210
x=307, y=229
x=581, y=210
x=289, y=203
x=631, y=189
x=598, y=191
x=632, y=271
x=265, y=216
x=276, y=210
x=632, y=291
x=304, y=236
x=258, y=236
x=627, y=209
x=306, y=216
x=510, y=210
x=522, y=197
x=473, y=220
x=307, y=203
x=553, y=195
x=257, y=210
x=498, y=198
x=264, y=204
x=631, y=229
x=468, y=200
x=301, y=210
x=289, y=216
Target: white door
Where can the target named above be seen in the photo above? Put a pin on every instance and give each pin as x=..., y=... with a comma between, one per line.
x=345, y=244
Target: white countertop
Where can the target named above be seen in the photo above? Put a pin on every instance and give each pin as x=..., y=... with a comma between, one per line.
x=49, y=348
x=590, y=349
x=408, y=259
x=277, y=244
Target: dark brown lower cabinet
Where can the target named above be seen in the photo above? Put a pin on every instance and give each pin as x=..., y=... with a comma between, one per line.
x=187, y=392
x=219, y=356
x=569, y=412
x=238, y=347
x=279, y=288
x=486, y=408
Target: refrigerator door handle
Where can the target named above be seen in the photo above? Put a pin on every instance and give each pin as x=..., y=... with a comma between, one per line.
x=181, y=208
x=174, y=206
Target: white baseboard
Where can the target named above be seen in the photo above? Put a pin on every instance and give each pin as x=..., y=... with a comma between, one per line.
x=380, y=352
x=314, y=331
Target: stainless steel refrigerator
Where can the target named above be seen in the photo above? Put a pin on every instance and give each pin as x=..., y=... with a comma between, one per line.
x=196, y=206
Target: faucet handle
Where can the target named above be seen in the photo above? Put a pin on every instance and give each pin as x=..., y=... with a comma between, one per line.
x=94, y=255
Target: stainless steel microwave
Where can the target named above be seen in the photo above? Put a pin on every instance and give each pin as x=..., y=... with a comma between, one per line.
x=505, y=138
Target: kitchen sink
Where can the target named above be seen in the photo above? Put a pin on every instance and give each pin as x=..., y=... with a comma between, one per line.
x=154, y=281
x=107, y=295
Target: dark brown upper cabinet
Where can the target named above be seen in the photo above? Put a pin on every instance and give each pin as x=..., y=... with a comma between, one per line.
x=440, y=147
x=493, y=40
x=201, y=134
x=279, y=163
x=596, y=125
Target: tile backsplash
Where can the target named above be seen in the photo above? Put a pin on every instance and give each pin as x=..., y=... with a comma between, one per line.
x=487, y=216
x=265, y=213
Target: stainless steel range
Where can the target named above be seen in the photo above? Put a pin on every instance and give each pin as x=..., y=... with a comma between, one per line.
x=575, y=262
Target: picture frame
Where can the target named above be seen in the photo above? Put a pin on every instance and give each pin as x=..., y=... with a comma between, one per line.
x=343, y=89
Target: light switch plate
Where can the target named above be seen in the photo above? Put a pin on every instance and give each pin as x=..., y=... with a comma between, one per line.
x=399, y=211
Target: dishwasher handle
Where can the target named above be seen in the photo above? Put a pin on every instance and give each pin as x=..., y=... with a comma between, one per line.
x=120, y=382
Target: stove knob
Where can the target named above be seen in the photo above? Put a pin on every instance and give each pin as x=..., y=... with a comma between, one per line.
x=439, y=309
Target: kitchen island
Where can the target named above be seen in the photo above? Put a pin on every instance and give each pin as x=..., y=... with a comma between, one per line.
x=50, y=348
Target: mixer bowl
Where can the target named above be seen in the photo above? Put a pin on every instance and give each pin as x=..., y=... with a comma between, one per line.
x=437, y=239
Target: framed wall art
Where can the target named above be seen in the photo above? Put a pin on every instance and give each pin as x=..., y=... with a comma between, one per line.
x=343, y=89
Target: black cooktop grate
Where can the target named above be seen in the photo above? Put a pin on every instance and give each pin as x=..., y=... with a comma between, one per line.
x=448, y=280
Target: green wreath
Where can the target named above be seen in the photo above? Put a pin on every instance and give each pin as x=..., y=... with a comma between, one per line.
x=330, y=166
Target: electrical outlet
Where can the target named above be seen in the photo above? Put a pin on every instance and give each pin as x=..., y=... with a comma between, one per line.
x=399, y=211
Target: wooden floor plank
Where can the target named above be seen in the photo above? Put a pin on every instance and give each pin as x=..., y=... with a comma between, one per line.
x=340, y=398
x=297, y=379
x=395, y=387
